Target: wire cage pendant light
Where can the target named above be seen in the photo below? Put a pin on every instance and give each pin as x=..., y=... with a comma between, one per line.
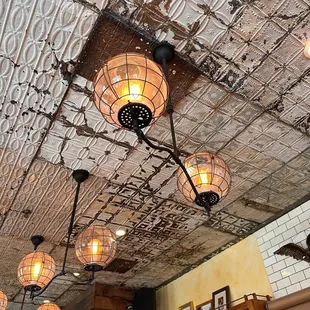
x=210, y=175
x=131, y=91
x=95, y=247
x=131, y=87
x=36, y=270
x=48, y=306
x=3, y=301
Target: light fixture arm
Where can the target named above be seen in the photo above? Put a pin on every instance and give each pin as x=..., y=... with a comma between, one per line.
x=141, y=136
x=80, y=176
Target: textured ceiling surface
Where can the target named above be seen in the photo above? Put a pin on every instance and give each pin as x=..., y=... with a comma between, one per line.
x=248, y=104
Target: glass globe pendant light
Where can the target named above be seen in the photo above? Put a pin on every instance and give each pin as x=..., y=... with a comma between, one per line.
x=131, y=90
x=48, y=306
x=210, y=176
x=95, y=247
x=3, y=301
x=36, y=269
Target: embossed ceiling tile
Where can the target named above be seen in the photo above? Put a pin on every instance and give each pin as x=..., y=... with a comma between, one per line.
x=298, y=117
x=230, y=46
x=213, y=65
x=268, y=7
x=300, y=62
x=299, y=162
x=248, y=135
x=299, y=91
x=241, y=210
x=251, y=20
x=184, y=13
x=283, y=80
x=198, y=112
x=232, y=77
x=267, y=70
x=210, y=32
x=184, y=126
x=231, y=224
x=250, y=88
x=218, y=141
x=205, y=235
x=288, y=50
x=249, y=58
x=299, y=30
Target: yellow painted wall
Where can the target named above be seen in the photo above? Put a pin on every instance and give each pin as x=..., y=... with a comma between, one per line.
x=241, y=267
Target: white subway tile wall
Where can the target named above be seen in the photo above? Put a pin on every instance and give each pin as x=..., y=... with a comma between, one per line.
x=286, y=274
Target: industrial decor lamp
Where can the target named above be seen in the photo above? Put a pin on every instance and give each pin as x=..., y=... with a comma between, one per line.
x=3, y=301
x=95, y=248
x=36, y=269
x=132, y=92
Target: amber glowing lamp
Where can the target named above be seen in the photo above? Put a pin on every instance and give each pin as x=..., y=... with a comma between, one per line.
x=36, y=269
x=95, y=247
x=3, y=301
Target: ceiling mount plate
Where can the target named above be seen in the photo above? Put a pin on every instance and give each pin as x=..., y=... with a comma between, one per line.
x=37, y=240
x=163, y=50
x=80, y=175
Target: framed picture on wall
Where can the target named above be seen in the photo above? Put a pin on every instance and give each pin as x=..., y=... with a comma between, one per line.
x=188, y=306
x=205, y=306
x=220, y=299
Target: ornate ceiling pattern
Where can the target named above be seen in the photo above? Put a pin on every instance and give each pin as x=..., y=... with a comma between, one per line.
x=245, y=100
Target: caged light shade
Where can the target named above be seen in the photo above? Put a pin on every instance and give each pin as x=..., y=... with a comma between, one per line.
x=3, y=301
x=95, y=247
x=130, y=86
x=49, y=306
x=210, y=175
x=36, y=270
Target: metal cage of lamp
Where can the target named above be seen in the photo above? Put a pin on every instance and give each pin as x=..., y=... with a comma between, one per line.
x=130, y=86
x=120, y=102
x=48, y=306
x=3, y=301
x=95, y=247
x=210, y=175
x=36, y=270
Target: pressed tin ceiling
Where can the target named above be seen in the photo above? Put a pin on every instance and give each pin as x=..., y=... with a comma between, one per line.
x=243, y=95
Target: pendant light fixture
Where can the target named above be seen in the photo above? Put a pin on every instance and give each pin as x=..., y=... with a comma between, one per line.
x=3, y=301
x=48, y=306
x=132, y=92
x=210, y=175
x=95, y=247
x=130, y=87
x=36, y=269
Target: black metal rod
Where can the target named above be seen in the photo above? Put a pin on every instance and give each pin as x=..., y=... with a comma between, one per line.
x=23, y=301
x=47, y=285
x=70, y=229
x=170, y=111
x=141, y=136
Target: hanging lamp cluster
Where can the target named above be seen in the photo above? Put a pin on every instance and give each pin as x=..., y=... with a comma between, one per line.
x=95, y=248
x=132, y=92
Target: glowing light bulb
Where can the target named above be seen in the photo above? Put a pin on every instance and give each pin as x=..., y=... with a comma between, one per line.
x=95, y=246
x=204, y=178
x=307, y=50
x=36, y=270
